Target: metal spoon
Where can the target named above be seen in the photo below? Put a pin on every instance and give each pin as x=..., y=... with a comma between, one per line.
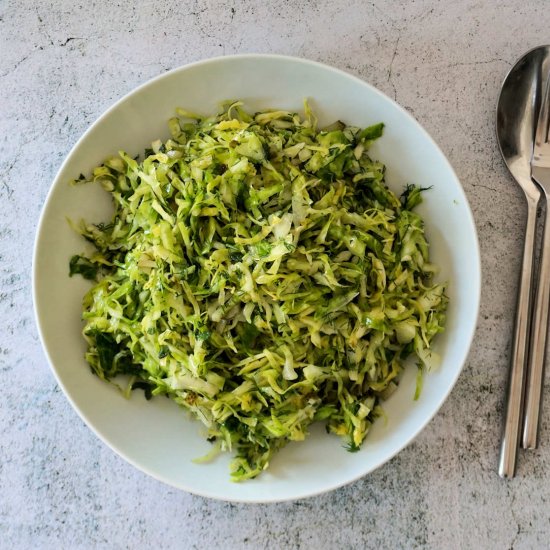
x=515, y=130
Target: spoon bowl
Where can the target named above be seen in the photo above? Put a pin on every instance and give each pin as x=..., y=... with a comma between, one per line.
x=516, y=115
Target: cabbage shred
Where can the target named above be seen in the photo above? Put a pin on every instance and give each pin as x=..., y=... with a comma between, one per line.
x=259, y=272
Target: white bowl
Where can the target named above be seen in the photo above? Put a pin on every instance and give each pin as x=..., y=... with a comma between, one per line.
x=158, y=437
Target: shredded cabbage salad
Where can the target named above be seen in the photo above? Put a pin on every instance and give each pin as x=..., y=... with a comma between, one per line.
x=258, y=271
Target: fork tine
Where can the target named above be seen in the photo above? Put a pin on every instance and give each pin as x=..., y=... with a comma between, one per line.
x=541, y=134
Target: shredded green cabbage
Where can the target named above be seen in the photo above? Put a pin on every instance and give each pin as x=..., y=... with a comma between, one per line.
x=259, y=272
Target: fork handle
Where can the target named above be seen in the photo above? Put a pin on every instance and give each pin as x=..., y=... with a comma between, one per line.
x=514, y=401
x=539, y=330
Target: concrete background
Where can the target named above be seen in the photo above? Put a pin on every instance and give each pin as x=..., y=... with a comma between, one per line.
x=61, y=65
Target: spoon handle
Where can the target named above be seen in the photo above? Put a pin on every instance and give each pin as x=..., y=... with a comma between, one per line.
x=539, y=329
x=514, y=401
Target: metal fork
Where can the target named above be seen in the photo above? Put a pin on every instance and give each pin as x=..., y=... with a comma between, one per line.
x=540, y=173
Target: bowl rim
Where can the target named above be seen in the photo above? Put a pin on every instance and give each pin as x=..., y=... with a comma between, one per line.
x=476, y=284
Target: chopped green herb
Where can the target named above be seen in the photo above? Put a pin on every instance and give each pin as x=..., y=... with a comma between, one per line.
x=80, y=265
x=147, y=388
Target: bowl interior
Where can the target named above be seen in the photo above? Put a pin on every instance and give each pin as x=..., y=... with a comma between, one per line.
x=157, y=436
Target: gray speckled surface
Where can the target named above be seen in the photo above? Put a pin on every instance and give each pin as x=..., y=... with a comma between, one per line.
x=62, y=64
